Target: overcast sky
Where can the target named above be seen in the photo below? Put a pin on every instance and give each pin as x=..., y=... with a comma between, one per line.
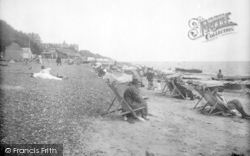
x=134, y=30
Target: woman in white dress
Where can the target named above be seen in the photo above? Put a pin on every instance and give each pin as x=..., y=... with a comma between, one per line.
x=45, y=73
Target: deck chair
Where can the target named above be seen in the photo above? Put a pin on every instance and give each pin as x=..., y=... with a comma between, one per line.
x=121, y=103
x=173, y=90
x=211, y=101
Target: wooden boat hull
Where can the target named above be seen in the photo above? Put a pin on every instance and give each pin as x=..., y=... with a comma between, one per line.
x=188, y=70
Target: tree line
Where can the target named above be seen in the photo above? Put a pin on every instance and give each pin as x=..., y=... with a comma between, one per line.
x=9, y=35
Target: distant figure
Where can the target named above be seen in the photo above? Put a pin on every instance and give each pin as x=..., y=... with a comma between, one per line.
x=150, y=78
x=101, y=71
x=40, y=59
x=219, y=75
x=58, y=61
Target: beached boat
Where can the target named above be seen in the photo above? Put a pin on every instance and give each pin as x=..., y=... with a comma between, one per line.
x=235, y=82
x=233, y=78
x=188, y=70
x=232, y=85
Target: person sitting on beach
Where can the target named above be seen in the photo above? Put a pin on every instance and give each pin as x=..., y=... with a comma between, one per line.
x=135, y=100
x=184, y=91
x=45, y=73
x=228, y=108
x=219, y=75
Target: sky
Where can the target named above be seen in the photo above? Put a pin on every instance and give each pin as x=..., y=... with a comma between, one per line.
x=134, y=30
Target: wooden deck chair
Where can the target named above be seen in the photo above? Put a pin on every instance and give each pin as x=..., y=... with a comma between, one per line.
x=211, y=101
x=165, y=88
x=245, y=89
x=121, y=103
x=176, y=91
x=173, y=90
x=200, y=91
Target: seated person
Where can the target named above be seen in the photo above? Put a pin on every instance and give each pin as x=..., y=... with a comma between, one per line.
x=184, y=91
x=226, y=107
x=219, y=75
x=134, y=99
x=101, y=71
x=158, y=86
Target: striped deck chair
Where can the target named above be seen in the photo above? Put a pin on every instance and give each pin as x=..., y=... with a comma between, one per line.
x=212, y=101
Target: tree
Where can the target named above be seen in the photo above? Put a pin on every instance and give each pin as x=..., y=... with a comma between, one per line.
x=35, y=41
x=9, y=35
x=35, y=37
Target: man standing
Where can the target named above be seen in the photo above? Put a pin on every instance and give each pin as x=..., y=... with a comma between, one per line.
x=58, y=60
x=150, y=78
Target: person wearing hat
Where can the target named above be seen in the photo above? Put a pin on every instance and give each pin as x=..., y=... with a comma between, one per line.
x=58, y=61
x=134, y=99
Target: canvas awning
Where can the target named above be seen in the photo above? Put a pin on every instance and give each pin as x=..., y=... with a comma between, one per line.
x=73, y=54
x=118, y=77
x=207, y=84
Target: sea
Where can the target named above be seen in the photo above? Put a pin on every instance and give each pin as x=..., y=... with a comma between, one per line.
x=209, y=68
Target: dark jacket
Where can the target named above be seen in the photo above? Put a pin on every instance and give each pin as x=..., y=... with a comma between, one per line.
x=131, y=95
x=58, y=60
x=150, y=76
x=134, y=100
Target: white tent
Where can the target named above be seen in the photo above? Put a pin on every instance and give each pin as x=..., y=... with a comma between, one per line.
x=27, y=54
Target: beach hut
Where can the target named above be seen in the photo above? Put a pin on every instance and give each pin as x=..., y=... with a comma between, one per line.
x=50, y=54
x=67, y=53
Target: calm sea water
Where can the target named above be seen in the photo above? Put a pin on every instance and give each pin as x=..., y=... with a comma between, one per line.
x=229, y=68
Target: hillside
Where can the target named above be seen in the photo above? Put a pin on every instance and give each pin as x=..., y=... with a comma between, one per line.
x=87, y=53
x=9, y=35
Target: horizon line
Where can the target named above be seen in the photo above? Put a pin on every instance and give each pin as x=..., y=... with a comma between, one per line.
x=190, y=61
